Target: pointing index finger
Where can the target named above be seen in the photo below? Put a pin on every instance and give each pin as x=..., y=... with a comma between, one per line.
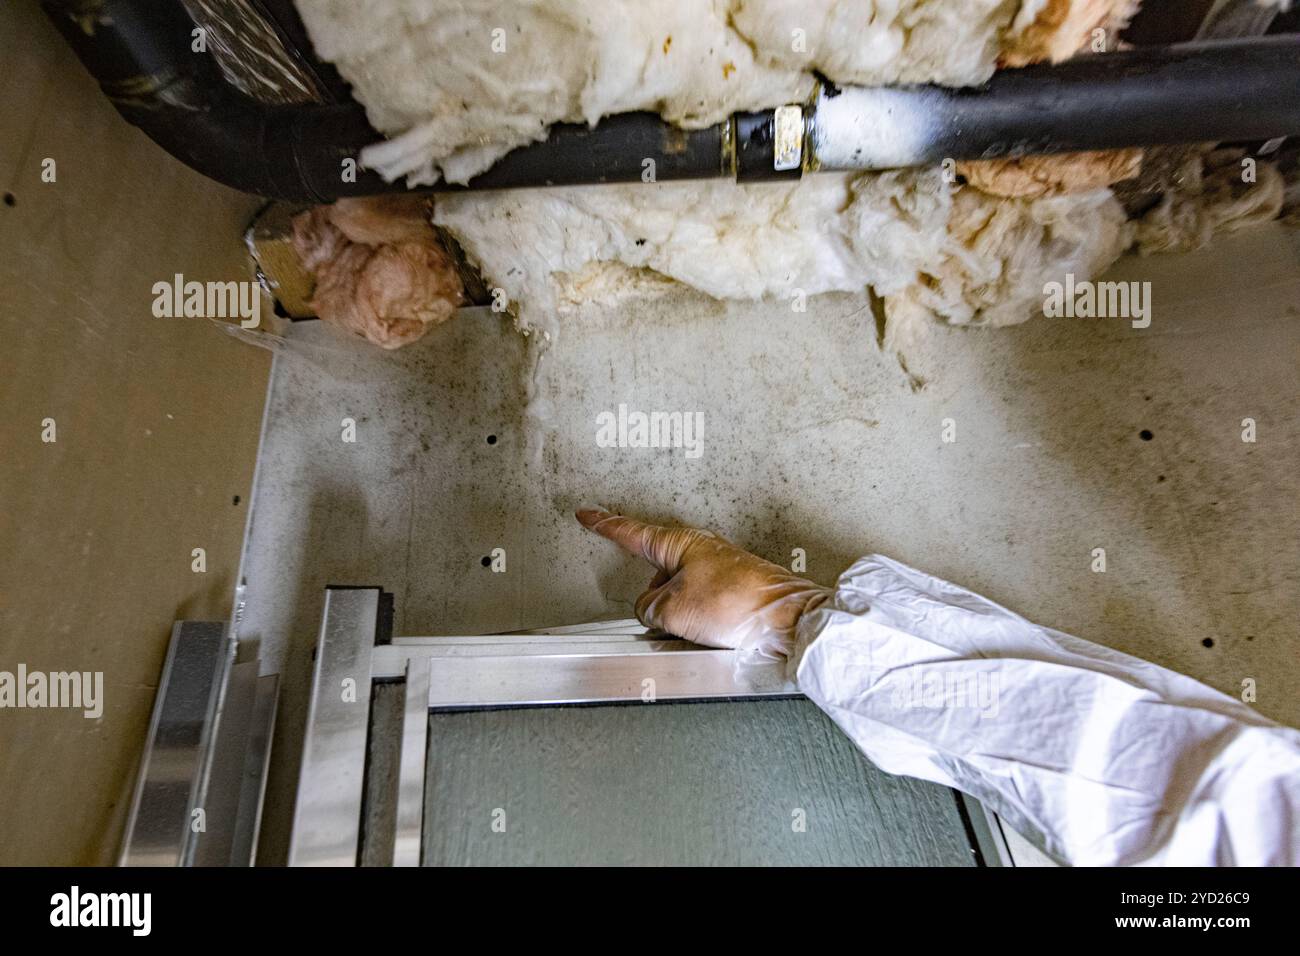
x=647, y=541
x=628, y=533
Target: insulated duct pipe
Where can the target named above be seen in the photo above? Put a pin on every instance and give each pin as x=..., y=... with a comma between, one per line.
x=1193, y=92
x=140, y=52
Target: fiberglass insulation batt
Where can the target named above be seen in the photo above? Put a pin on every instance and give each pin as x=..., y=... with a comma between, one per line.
x=457, y=85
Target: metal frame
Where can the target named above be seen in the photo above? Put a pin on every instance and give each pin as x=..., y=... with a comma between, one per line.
x=408, y=840
x=198, y=796
x=986, y=830
x=327, y=815
x=603, y=662
x=573, y=667
x=600, y=662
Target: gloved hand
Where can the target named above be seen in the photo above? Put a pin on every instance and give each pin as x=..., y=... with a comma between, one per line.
x=709, y=591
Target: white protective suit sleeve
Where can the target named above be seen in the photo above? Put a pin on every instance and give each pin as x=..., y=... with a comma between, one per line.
x=1097, y=757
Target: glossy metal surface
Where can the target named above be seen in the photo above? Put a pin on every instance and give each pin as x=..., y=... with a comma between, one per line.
x=389, y=661
x=592, y=677
x=178, y=752
x=408, y=839
x=788, y=132
x=603, y=661
x=225, y=782
x=257, y=762
x=327, y=817
x=986, y=832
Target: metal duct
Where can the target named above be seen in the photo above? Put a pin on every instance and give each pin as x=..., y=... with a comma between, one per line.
x=140, y=52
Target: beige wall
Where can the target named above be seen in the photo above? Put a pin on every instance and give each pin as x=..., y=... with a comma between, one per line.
x=157, y=426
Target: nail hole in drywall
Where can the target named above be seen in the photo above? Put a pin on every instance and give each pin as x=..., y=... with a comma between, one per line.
x=235, y=500
x=1145, y=435
x=492, y=439
x=11, y=199
x=1208, y=642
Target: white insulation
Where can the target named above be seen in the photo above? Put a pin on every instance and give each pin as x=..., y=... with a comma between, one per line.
x=457, y=85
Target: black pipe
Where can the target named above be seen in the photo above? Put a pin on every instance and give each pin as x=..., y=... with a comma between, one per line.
x=754, y=135
x=626, y=147
x=1205, y=92
x=140, y=52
